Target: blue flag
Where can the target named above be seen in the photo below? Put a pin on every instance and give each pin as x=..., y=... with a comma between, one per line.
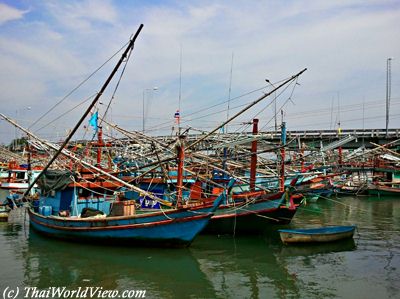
x=93, y=120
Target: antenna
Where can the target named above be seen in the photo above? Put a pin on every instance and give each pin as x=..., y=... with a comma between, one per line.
x=339, y=128
x=180, y=90
x=388, y=91
x=363, y=107
x=229, y=94
x=330, y=124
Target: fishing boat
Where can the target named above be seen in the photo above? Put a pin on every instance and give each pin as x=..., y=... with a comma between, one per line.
x=61, y=211
x=253, y=210
x=18, y=177
x=174, y=227
x=244, y=211
x=389, y=185
x=72, y=206
x=386, y=176
x=66, y=209
x=252, y=215
x=384, y=190
x=316, y=235
x=3, y=171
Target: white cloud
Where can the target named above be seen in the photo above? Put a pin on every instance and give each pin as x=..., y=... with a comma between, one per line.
x=8, y=13
x=82, y=15
x=344, y=44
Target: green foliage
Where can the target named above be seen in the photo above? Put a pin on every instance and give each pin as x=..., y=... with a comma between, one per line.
x=18, y=144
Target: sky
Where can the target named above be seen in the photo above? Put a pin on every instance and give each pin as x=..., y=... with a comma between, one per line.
x=200, y=57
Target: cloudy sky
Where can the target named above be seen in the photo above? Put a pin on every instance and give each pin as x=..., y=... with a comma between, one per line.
x=220, y=51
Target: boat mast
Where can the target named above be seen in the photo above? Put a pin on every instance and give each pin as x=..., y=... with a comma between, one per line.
x=181, y=158
x=246, y=108
x=229, y=94
x=29, y=161
x=99, y=146
x=72, y=156
x=283, y=144
x=253, y=165
x=180, y=92
x=124, y=55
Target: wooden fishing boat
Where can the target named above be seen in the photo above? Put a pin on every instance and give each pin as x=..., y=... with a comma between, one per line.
x=386, y=179
x=58, y=212
x=384, y=190
x=175, y=227
x=18, y=177
x=254, y=215
x=243, y=212
x=316, y=235
x=256, y=208
x=350, y=190
x=3, y=171
x=66, y=208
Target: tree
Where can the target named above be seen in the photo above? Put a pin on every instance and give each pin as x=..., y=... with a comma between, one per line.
x=18, y=144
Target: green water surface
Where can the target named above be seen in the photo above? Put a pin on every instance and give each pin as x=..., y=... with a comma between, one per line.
x=367, y=266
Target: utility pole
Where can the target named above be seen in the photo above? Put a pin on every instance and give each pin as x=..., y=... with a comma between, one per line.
x=143, y=104
x=276, y=123
x=229, y=94
x=388, y=91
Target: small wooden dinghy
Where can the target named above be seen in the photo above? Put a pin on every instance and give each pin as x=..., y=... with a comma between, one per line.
x=4, y=212
x=316, y=235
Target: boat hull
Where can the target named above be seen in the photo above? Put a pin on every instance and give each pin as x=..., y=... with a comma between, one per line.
x=316, y=235
x=253, y=218
x=4, y=216
x=384, y=191
x=16, y=186
x=177, y=228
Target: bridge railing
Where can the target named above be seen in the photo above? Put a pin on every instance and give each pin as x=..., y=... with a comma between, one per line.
x=369, y=133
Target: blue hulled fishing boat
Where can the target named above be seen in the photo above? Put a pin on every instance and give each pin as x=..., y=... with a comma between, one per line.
x=70, y=210
x=74, y=206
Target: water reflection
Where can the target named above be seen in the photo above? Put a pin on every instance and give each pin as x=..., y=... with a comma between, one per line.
x=224, y=267
x=164, y=273
x=244, y=267
x=349, y=273
x=315, y=249
x=12, y=246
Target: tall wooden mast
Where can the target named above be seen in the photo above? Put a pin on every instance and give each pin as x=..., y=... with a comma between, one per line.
x=124, y=55
x=253, y=165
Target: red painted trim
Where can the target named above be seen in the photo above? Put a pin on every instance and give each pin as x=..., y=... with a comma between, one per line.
x=98, y=184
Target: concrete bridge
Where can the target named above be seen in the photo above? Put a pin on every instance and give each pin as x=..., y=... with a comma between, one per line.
x=347, y=138
x=327, y=139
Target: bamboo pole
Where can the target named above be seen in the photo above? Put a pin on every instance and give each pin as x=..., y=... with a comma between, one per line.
x=75, y=158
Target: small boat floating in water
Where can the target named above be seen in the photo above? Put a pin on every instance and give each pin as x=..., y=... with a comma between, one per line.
x=4, y=212
x=316, y=235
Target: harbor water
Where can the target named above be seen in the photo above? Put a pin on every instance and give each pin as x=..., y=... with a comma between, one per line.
x=367, y=266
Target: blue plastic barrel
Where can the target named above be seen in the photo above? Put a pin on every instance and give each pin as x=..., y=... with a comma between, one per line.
x=45, y=210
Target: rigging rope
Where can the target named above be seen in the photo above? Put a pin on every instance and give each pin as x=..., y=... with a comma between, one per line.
x=79, y=85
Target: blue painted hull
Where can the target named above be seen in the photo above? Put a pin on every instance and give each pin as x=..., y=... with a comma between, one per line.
x=172, y=228
x=313, y=235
